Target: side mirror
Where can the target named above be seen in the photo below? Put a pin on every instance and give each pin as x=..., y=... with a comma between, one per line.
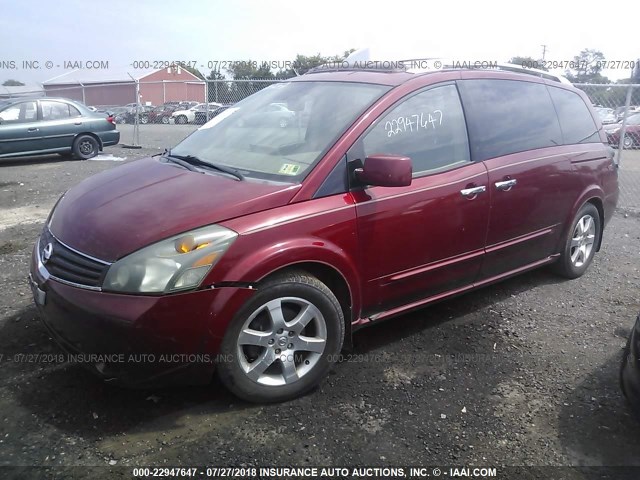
x=385, y=171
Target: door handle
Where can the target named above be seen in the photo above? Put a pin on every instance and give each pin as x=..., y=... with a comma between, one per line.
x=473, y=191
x=506, y=185
x=33, y=129
x=78, y=123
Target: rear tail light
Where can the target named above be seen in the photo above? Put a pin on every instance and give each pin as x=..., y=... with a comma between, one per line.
x=111, y=119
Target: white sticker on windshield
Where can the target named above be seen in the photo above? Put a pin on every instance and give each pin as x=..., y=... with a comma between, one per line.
x=218, y=118
x=289, y=169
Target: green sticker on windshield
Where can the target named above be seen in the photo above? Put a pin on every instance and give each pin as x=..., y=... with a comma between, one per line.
x=289, y=169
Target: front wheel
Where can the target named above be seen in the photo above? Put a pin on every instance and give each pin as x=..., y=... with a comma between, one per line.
x=165, y=120
x=581, y=244
x=628, y=141
x=144, y=119
x=283, y=342
x=85, y=146
x=181, y=120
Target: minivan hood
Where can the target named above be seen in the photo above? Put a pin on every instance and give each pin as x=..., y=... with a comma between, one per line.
x=117, y=212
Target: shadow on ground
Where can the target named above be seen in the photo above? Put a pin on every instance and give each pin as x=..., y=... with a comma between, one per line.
x=596, y=425
x=71, y=399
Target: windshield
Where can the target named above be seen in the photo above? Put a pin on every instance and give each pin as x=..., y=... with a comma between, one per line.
x=280, y=132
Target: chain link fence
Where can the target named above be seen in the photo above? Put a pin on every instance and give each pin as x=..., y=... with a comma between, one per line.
x=231, y=91
x=618, y=106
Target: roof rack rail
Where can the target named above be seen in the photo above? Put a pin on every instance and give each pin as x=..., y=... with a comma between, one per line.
x=446, y=64
x=359, y=66
x=361, y=60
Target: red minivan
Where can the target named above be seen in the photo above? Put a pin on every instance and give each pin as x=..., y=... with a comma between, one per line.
x=256, y=250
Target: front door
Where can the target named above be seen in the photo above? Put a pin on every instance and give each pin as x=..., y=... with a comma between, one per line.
x=428, y=238
x=19, y=130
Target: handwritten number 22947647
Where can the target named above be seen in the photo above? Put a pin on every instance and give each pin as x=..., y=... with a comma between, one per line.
x=413, y=123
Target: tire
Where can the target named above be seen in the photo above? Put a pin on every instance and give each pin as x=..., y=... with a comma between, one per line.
x=628, y=141
x=271, y=367
x=283, y=123
x=581, y=244
x=181, y=119
x=144, y=119
x=165, y=120
x=629, y=375
x=85, y=146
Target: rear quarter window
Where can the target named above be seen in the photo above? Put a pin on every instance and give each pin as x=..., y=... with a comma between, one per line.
x=508, y=116
x=576, y=122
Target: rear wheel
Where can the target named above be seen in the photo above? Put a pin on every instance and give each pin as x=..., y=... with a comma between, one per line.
x=283, y=341
x=144, y=119
x=85, y=146
x=581, y=244
x=165, y=120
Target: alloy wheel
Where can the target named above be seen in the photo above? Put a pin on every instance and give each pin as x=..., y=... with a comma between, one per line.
x=582, y=240
x=281, y=341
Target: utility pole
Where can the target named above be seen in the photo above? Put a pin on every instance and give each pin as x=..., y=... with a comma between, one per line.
x=544, y=51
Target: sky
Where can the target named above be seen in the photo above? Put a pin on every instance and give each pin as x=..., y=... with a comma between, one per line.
x=122, y=32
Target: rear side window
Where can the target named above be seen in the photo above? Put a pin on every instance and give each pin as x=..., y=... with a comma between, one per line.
x=576, y=121
x=54, y=110
x=508, y=116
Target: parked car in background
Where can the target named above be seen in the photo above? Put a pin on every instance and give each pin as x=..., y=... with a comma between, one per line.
x=119, y=113
x=160, y=114
x=189, y=115
x=132, y=106
x=182, y=105
x=201, y=116
x=630, y=369
x=632, y=132
x=53, y=125
x=606, y=115
x=187, y=104
x=619, y=111
x=272, y=114
x=130, y=115
x=104, y=110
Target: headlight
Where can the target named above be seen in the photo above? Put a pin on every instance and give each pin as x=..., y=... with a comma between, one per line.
x=615, y=130
x=177, y=263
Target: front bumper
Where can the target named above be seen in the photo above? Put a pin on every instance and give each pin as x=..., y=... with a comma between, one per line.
x=630, y=370
x=137, y=340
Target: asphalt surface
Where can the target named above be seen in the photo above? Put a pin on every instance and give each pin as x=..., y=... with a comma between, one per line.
x=523, y=373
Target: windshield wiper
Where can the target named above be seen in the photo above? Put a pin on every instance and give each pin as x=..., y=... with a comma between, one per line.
x=182, y=163
x=191, y=161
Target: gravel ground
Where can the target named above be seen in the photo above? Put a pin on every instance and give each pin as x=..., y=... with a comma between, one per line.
x=520, y=373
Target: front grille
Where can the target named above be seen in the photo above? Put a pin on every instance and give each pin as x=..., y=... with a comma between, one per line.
x=68, y=265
